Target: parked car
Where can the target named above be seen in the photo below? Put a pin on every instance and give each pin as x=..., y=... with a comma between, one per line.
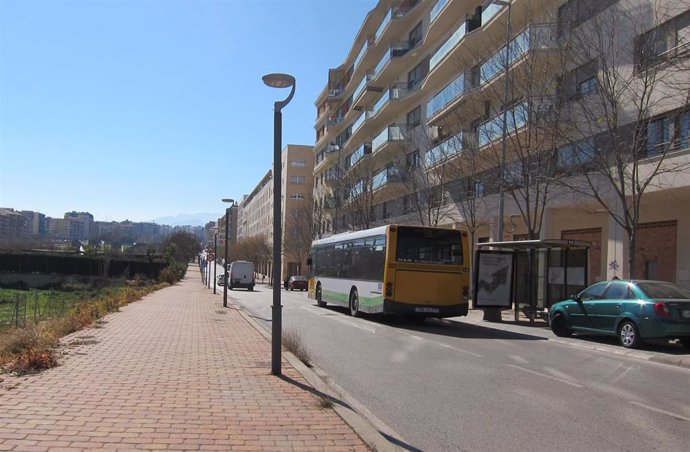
x=631, y=310
x=221, y=279
x=297, y=282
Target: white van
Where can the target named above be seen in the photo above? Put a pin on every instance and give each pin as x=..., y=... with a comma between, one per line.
x=241, y=275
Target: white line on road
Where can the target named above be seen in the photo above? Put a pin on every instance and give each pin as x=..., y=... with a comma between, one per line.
x=551, y=377
x=667, y=413
x=459, y=350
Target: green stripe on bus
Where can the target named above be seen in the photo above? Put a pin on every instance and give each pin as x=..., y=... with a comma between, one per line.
x=345, y=298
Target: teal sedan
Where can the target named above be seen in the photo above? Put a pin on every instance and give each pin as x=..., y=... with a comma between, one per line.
x=630, y=310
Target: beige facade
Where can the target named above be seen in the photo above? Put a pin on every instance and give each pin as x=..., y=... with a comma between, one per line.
x=411, y=125
x=255, y=211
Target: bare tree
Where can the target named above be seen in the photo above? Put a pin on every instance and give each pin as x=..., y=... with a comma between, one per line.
x=300, y=231
x=629, y=70
x=427, y=170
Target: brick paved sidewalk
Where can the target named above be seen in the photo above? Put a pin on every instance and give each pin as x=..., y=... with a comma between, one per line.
x=174, y=371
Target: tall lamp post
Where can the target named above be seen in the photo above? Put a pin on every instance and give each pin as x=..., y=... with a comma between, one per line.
x=504, y=139
x=277, y=81
x=215, y=267
x=225, y=257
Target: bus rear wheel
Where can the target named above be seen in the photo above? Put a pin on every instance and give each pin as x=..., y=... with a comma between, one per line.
x=354, y=304
x=319, y=300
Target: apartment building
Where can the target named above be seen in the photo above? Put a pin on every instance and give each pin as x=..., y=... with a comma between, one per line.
x=255, y=211
x=505, y=116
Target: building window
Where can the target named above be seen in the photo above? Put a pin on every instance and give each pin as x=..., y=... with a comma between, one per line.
x=299, y=163
x=416, y=75
x=415, y=36
x=576, y=12
x=412, y=160
x=297, y=196
x=414, y=117
x=663, y=43
x=579, y=82
x=658, y=135
x=576, y=154
x=298, y=179
x=684, y=130
x=478, y=189
x=386, y=213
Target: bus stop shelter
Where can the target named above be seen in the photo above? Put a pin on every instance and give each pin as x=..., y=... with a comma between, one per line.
x=528, y=275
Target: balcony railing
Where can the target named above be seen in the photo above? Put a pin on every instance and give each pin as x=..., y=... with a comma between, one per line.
x=386, y=175
x=490, y=11
x=359, y=121
x=393, y=133
x=437, y=9
x=534, y=37
x=445, y=149
x=491, y=130
x=448, y=94
x=447, y=46
x=360, y=152
x=384, y=23
x=396, y=50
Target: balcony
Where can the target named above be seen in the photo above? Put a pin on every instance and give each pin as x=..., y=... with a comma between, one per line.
x=536, y=37
x=360, y=120
x=328, y=158
x=386, y=181
x=354, y=158
x=490, y=11
x=492, y=130
x=440, y=4
x=447, y=46
x=448, y=94
x=364, y=94
x=444, y=150
x=390, y=138
x=390, y=61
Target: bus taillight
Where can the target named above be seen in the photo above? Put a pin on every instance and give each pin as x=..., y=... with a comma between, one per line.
x=389, y=289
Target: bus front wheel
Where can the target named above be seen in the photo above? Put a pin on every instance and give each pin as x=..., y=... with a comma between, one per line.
x=354, y=304
x=319, y=300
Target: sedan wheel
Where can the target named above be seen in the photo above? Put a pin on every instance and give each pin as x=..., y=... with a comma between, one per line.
x=628, y=335
x=559, y=326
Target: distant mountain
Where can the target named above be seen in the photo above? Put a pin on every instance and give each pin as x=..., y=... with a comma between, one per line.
x=188, y=219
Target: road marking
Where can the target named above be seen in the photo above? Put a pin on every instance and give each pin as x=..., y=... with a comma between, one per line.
x=667, y=413
x=519, y=359
x=459, y=350
x=551, y=377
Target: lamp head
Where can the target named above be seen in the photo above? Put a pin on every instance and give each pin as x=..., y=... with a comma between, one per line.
x=278, y=80
x=230, y=200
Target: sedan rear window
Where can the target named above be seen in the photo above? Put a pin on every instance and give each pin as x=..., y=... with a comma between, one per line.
x=661, y=290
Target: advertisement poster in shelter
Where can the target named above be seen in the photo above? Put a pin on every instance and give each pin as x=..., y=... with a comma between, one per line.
x=493, y=284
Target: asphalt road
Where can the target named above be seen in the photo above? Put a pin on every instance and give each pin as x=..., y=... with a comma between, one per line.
x=453, y=385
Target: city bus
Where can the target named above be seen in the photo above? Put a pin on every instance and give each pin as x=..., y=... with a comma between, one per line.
x=414, y=271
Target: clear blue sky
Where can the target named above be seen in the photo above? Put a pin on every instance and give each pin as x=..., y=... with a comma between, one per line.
x=149, y=108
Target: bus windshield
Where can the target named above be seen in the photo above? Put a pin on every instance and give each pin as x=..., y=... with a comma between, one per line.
x=430, y=246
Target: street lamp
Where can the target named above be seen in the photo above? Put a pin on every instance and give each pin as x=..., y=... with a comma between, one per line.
x=504, y=139
x=225, y=258
x=277, y=81
x=215, y=268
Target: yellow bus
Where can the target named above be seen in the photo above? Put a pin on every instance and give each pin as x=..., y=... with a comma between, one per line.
x=414, y=271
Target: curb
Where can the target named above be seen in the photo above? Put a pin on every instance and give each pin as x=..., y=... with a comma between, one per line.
x=319, y=381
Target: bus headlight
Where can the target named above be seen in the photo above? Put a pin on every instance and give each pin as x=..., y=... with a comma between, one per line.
x=389, y=289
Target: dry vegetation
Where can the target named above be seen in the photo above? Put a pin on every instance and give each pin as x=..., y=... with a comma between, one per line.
x=33, y=348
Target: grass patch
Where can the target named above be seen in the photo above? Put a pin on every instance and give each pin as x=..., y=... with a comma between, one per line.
x=293, y=341
x=325, y=404
x=33, y=347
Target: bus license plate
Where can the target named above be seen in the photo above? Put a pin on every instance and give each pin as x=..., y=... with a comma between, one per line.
x=686, y=314
x=430, y=310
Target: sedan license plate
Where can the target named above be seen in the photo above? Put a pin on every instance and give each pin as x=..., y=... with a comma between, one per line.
x=686, y=314
x=429, y=310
